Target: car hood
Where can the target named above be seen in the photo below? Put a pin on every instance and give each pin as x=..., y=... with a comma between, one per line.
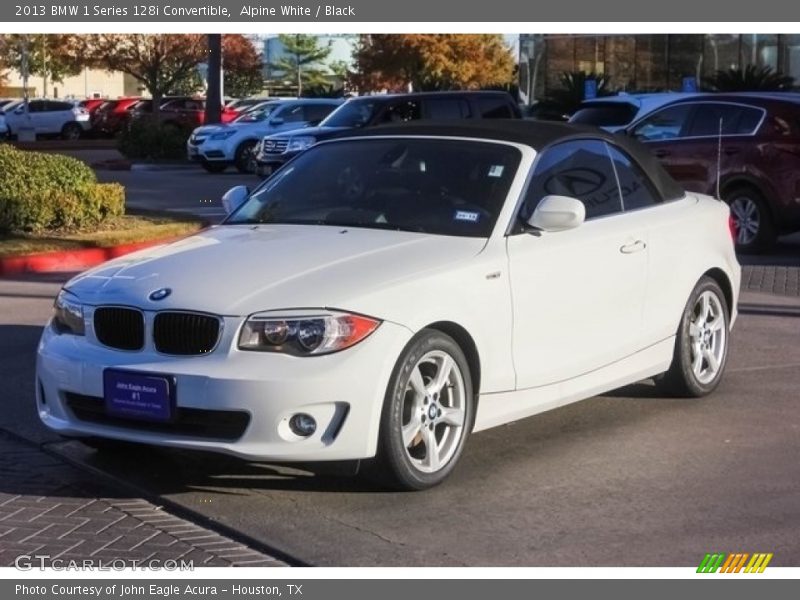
x=320, y=133
x=242, y=269
x=261, y=127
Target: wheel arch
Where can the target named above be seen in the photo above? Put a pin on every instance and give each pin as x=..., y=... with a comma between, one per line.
x=467, y=344
x=724, y=283
x=743, y=180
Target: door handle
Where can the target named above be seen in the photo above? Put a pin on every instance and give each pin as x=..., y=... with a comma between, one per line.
x=633, y=247
x=661, y=153
x=731, y=151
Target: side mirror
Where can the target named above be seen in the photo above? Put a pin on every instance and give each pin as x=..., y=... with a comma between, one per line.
x=19, y=110
x=234, y=198
x=558, y=213
x=276, y=121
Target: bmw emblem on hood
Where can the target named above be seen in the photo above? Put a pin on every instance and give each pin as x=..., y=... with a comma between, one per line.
x=160, y=294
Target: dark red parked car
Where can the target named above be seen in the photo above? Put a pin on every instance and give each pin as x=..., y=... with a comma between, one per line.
x=110, y=117
x=759, y=174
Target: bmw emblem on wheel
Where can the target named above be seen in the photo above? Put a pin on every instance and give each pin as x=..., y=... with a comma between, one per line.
x=160, y=294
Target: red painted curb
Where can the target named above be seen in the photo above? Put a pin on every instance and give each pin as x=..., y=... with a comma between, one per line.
x=70, y=260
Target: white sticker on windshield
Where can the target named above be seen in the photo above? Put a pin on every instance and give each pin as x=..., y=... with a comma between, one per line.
x=466, y=215
x=496, y=171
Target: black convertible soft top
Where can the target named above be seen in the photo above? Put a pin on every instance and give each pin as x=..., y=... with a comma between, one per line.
x=536, y=134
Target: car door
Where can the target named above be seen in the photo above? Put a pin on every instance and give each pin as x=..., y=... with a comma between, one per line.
x=58, y=115
x=39, y=116
x=577, y=294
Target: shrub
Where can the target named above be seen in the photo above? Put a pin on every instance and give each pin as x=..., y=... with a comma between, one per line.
x=47, y=191
x=148, y=139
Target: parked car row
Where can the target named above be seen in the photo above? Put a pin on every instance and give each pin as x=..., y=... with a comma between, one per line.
x=369, y=111
x=216, y=147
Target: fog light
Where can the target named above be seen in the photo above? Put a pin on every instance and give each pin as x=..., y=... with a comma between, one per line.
x=302, y=424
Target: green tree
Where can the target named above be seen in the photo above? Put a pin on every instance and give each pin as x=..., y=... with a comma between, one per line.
x=303, y=58
x=750, y=79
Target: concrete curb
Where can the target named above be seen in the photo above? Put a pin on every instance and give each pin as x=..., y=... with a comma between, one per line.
x=70, y=260
x=163, y=167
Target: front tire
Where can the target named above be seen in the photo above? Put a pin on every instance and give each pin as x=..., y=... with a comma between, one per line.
x=428, y=413
x=214, y=167
x=701, y=346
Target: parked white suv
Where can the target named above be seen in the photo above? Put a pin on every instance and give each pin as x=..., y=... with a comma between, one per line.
x=216, y=147
x=48, y=117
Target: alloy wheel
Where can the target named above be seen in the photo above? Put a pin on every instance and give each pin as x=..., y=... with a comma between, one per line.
x=708, y=337
x=747, y=220
x=433, y=412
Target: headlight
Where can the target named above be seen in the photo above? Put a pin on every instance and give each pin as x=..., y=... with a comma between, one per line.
x=222, y=135
x=305, y=334
x=296, y=144
x=68, y=314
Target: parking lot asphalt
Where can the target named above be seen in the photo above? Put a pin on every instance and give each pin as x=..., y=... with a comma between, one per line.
x=187, y=190
x=628, y=478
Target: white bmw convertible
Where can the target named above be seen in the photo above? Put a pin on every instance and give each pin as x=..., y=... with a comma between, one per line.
x=386, y=294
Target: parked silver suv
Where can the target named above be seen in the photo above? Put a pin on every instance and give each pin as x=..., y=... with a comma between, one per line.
x=47, y=117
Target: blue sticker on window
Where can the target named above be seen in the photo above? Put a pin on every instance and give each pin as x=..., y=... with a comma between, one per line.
x=466, y=215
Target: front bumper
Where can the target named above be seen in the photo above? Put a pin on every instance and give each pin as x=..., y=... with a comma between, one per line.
x=344, y=392
x=210, y=151
x=266, y=164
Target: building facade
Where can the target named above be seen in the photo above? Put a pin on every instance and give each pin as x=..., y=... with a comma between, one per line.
x=648, y=63
x=90, y=83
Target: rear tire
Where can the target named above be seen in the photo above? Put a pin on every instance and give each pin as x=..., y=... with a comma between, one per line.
x=71, y=131
x=755, y=230
x=428, y=412
x=701, y=345
x=214, y=167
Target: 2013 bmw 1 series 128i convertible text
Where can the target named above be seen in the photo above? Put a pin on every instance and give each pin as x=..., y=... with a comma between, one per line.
x=385, y=294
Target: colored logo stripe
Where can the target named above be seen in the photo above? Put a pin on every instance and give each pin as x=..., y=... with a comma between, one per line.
x=733, y=563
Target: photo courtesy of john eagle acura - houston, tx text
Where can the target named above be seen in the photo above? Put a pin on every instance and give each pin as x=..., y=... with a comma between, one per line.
x=386, y=293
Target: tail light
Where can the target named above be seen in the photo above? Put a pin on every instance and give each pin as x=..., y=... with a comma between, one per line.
x=732, y=228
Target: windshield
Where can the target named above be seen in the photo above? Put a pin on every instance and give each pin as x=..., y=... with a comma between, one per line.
x=443, y=187
x=355, y=113
x=257, y=114
x=12, y=106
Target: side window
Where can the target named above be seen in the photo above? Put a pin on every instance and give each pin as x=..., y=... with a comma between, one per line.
x=736, y=120
x=580, y=169
x=447, y=108
x=667, y=124
x=314, y=113
x=293, y=114
x=493, y=107
x=36, y=106
x=636, y=188
x=60, y=106
x=407, y=110
x=193, y=105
